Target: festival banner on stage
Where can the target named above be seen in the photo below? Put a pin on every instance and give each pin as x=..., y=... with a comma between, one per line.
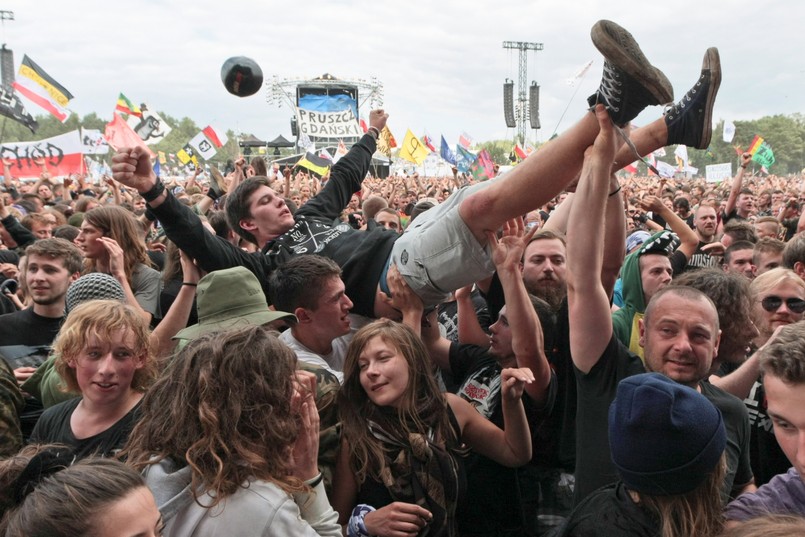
x=12, y=108
x=328, y=124
x=149, y=125
x=62, y=156
x=412, y=149
x=35, y=84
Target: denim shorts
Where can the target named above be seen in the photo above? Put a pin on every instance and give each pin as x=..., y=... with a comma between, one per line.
x=438, y=253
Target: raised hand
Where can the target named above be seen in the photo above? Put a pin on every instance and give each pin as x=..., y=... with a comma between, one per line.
x=513, y=381
x=131, y=166
x=507, y=251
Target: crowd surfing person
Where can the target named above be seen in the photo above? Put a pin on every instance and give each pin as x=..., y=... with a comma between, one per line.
x=45, y=492
x=400, y=467
x=103, y=353
x=228, y=441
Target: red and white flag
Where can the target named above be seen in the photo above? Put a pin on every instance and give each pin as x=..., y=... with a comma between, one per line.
x=216, y=137
x=62, y=155
x=465, y=140
x=37, y=86
x=119, y=134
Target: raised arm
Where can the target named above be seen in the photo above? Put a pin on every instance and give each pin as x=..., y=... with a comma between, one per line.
x=526, y=330
x=689, y=239
x=589, y=312
x=737, y=183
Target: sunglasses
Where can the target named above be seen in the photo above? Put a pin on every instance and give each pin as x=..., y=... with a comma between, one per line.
x=773, y=303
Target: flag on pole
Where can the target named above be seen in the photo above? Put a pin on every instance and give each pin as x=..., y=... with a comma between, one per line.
x=484, y=167
x=681, y=153
x=149, y=125
x=216, y=137
x=386, y=141
x=412, y=149
x=12, y=108
x=428, y=141
x=521, y=154
x=729, y=132
x=464, y=159
x=580, y=74
x=763, y=155
x=187, y=155
x=314, y=163
x=305, y=142
x=757, y=141
x=40, y=88
x=631, y=168
x=339, y=152
x=126, y=107
x=465, y=140
x=119, y=134
x=446, y=153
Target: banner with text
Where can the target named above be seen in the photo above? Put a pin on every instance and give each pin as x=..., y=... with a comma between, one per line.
x=718, y=172
x=328, y=124
x=62, y=155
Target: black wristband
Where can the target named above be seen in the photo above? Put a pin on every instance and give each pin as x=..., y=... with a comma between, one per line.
x=615, y=191
x=313, y=483
x=189, y=284
x=154, y=193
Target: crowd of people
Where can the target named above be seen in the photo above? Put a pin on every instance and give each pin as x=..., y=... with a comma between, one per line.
x=559, y=351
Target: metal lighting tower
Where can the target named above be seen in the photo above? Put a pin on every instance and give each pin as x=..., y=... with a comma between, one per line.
x=522, y=100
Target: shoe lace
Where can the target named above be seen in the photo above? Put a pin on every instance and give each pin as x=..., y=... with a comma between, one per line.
x=678, y=108
x=610, y=91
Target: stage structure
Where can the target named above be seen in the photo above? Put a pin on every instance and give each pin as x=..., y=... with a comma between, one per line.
x=326, y=109
x=521, y=109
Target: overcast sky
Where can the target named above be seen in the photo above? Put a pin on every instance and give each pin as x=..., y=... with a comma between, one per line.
x=441, y=61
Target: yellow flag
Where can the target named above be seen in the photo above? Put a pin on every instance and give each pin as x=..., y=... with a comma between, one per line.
x=412, y=149
x=386, y=141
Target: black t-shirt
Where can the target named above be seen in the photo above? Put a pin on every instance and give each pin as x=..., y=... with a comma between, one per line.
x=610, y=511
x=701, y=259
x=766, y=457
x=732, y=215
x=596, y=391
x=54, y=427
x=27, y=328
x=493, y=503
x=736, y=423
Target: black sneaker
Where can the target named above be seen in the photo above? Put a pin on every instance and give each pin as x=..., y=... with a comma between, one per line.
x=629, y=83
x=690, y=121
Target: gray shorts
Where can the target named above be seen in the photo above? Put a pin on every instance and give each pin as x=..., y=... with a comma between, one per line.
x=438, y=253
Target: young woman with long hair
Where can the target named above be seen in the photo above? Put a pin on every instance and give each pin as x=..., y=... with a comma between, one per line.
x=400, y=469
x=112, y=241
x=229, y=438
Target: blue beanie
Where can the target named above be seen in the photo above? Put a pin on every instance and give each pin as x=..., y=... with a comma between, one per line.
x=665, y=438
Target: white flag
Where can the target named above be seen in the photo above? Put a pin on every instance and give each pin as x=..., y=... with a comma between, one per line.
x=729, y=131
x=151, y=127
x=203, y=147
x=665, y=169
x=579, y=75
x=681, y=153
